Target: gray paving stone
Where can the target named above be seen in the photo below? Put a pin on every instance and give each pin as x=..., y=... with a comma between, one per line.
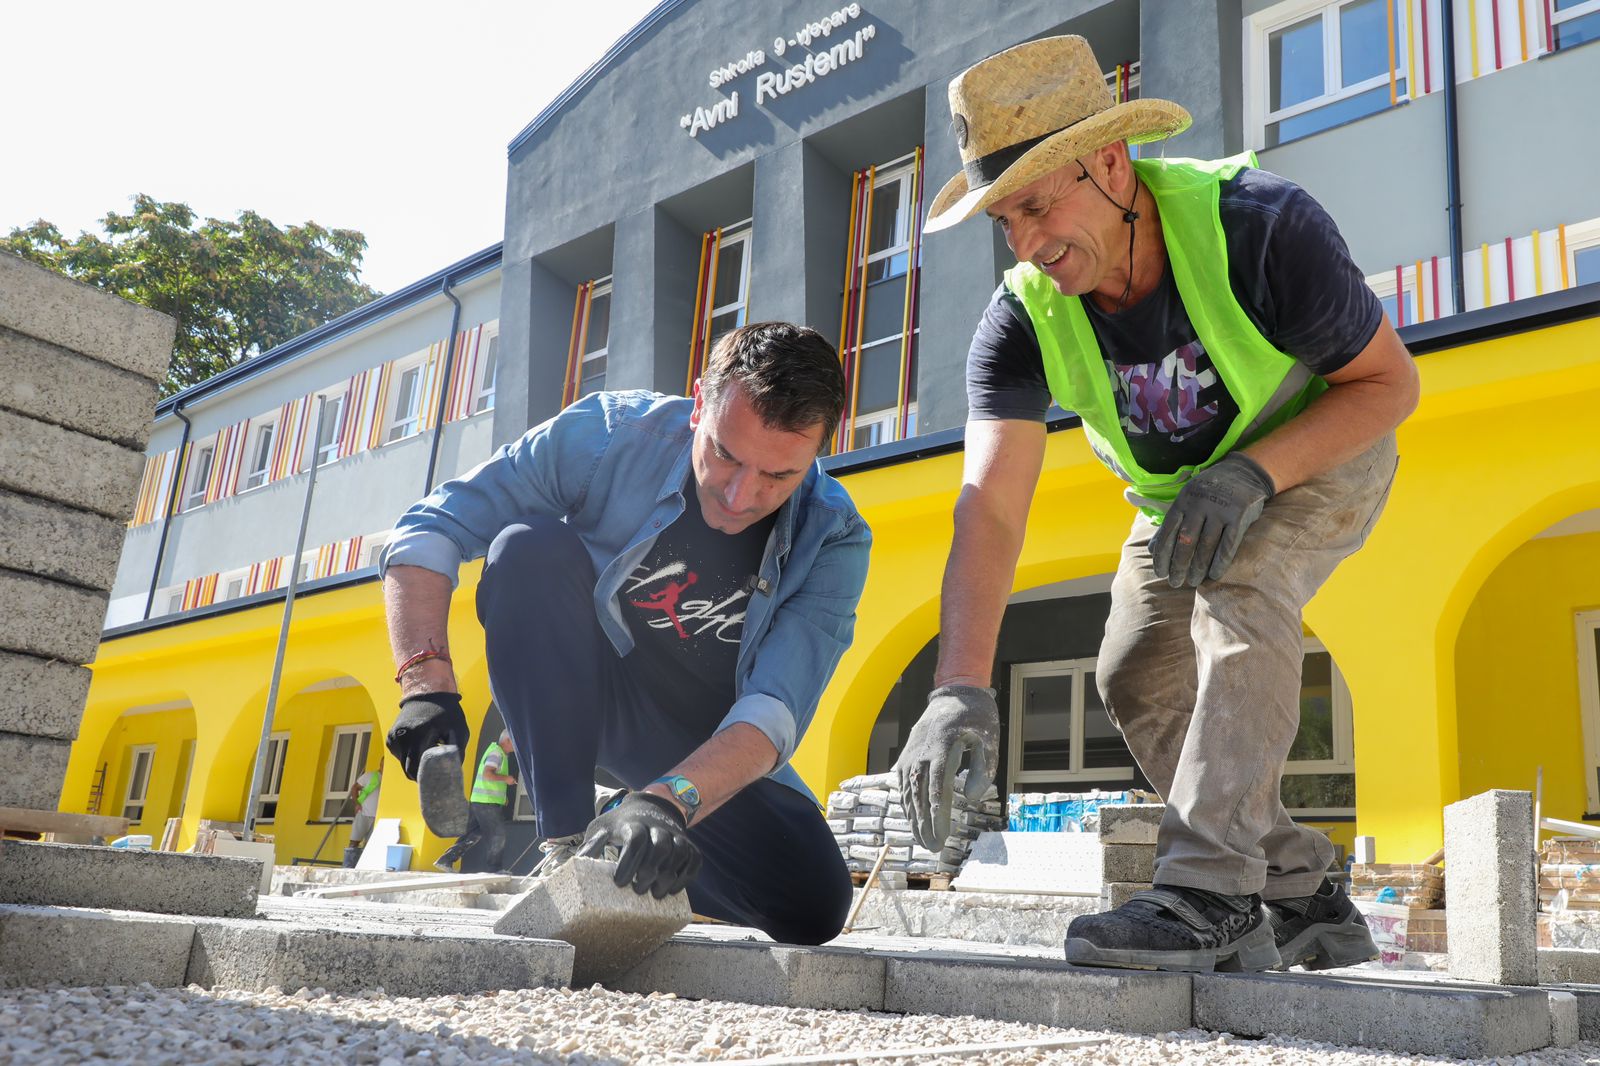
x=987, y=917
x=1408, y=1016
x=46, y=305
x=162, y=882
x=1569, y=965
x=87, y=948
x=1127, y=862
x=49, y=540
x=49, y=619
x=1563, y=1018
x=1587, y=1005
x=1131, y=823
x=55, y=385
x=768, y=974
x=41, y=697
x=612, y=929
x=1045, y=993
x=1115, y=893
x=33, y=770
x=1492, y=920
x=38, y=459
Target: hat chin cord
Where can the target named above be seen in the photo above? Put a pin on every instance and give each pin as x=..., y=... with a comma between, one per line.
x=1129, y=215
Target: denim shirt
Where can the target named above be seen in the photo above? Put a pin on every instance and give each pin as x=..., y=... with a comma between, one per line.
x=614, y=466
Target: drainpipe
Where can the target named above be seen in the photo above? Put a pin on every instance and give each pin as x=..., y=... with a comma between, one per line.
x=172, y=506
x=1452, y=158
x=444, y=384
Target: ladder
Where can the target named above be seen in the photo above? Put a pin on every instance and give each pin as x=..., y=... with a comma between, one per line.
x=97, y=790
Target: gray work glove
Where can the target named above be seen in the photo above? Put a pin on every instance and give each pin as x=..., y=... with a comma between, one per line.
x=657, y=855
x=426, y=720
x=959, y=718
x=1206, y=524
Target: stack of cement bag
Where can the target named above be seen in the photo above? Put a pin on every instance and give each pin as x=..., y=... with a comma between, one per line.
x=865, y=813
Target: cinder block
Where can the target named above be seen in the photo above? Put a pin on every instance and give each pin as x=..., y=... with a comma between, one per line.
x=1492, y=919
x=55, y=385
x=46, y=305
x=1407, y=1016
x=611, y=929
x=254, y=955
x=1044, y=993
x=1114, y=894
x=768, y=974
x=1569, y=965
x=84, y=948
x=49, y=540
x=38, y=459
x=1563, y=1018
x=33, y=770
x=49, y=619
x=1131, y=823
x=1127, y=862
x=41, y=697
x=162, y=882
x=1586, y=1007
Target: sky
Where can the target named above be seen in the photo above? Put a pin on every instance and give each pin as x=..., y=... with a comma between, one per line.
x=389, y=118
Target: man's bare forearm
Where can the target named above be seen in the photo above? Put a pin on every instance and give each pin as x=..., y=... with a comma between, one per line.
x=724, y=765
x=417, y=604
x=977, y=583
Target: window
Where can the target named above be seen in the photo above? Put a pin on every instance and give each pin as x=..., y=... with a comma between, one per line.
x=174, y=601
x=878, y=427
x=186, y=760
x=139, y=761
x=592, y=369
x=1059, y=729
x=259, y=468
x=403, y=417
x=1315, y=65
x=521, y=804
x=726, y=312
x=1573, y=22
x=487, y=371
x=1589, y=700
x=272, y=777
x=326, y=448
x=347, y=758
x=372, y=549
x=889, y=231
x=233, y=589
x=199, y=474
x=1320, y=776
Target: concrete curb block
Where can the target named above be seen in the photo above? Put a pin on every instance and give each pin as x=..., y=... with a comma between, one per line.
x=56, y=542
x=41, y=697
x=48, y=619
x=73, y=315
x=1131, y=823
x=1127, y=863
x=1569, y=966
x=1491, y=923
x=34, y=768
x=765, y=974
x=159, y=882
x=84, y=948
x=39, y=459
x=1563, y=1019
x=55, y=385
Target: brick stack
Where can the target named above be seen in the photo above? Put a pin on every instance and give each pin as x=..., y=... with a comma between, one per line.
x=1569, y=875
x=80, y=373
x=865, y=813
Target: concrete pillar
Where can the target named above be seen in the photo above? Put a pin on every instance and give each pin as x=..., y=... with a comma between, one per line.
x=802, y=219
x=1189, y=53
x=1491, y=886
x=652, y=302
x=535, y=329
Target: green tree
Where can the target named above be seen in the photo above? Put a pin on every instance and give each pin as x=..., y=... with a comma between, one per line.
x=236, y=288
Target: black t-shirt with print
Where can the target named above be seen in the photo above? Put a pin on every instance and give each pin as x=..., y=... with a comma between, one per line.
x=685, y=604
x=1289, y=269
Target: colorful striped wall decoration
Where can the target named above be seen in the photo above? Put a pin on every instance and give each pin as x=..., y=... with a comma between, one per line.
x=374, y=406
x=1549, y=27
x=580, y=334
x=430, y=384
x=355, y=389
x=1472, y=35
x=1561, y=243
x=155, y=487
x=1494, y=16
x=464, y=374
x=200, y=591
x=853, y=311
x=226, y=460
x=1522, y=27
x=1427, y=48
x=1394, y=95
x=1511, y=273
x=909, y=317
x=704, y=295
x=1399, y=297
x=352, y=554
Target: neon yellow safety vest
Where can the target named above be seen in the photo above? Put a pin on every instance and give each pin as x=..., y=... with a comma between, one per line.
x=1269, y=386
x=372, y=786
x=484, y=790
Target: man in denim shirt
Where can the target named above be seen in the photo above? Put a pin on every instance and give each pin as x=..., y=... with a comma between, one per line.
x=669, y=585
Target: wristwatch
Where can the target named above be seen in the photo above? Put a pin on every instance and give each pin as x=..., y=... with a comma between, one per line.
x=684, y=791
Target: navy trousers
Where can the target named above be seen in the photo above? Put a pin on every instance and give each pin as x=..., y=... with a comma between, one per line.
x=568, y=700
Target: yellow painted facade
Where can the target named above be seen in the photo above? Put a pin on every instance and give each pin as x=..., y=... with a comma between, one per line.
x=1454, y=628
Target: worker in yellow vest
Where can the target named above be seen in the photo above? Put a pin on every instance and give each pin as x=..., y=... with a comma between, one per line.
x=1206, y=323
x=490, y=808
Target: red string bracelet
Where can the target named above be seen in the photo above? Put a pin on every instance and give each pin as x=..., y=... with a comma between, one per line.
x=420, y=657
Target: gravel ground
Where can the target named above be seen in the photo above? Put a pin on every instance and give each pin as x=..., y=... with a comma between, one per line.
x=154, y=1027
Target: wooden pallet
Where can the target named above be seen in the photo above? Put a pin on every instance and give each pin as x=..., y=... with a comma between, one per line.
x=930, y=882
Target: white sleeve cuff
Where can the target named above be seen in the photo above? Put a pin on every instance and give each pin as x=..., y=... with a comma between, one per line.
x=424, y=548
x=770, y=715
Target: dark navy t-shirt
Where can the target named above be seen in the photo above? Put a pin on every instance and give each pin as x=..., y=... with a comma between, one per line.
x=1289, y=269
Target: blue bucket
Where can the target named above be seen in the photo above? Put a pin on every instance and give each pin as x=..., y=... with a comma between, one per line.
x=397, y=857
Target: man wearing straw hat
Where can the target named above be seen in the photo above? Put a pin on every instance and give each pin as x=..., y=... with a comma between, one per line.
x=1206, y=323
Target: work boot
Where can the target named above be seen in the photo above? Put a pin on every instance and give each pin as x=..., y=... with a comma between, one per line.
x=557, y=852
x=1321, y=930
x=1172, y=928
x=444, y=867
x=444, y=805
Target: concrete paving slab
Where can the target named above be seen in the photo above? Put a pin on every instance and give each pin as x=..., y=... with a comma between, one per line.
x=1416, y=1017
x=55, y=385
x=49, y=540
x=89, y=948
x=41, y=697
x=985, y=917
x=256, y=955
x=34, y=768
x=1492, y=920
x=1587, y=1006
x=162, y=882
x=1569, y=965
x=1563, y=1018
x=767, y=974
x=1131, y=823
x=1127, y=862
x=39, y=459
x=43, y=304
x=1039, y=991
x=612, y=929
x=49, y=619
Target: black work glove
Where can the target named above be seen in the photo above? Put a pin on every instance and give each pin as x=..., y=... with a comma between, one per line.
x=959, y=718
x=1206, y=523
x=426, y=720
x=656, y=852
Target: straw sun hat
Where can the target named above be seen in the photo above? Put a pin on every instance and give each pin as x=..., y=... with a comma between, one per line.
x=1027, y=111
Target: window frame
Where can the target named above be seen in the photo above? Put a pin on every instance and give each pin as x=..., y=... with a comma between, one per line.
x=488, y=371
x=255, y=478
x=148, y=751
x=336, y=399
x=1581, y=237
x=1586, y=624
x=272, y=777
x=741, y=233
x=1572, y=14
x=372, y=547
x=395, y=427
x=174, y=596
x=195, y=496
x=1078, y=670
x=358, y=765
x=900, y=170
x=885, y=417
x=1344, y=754
x=601, y=287
x=1258, y=31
